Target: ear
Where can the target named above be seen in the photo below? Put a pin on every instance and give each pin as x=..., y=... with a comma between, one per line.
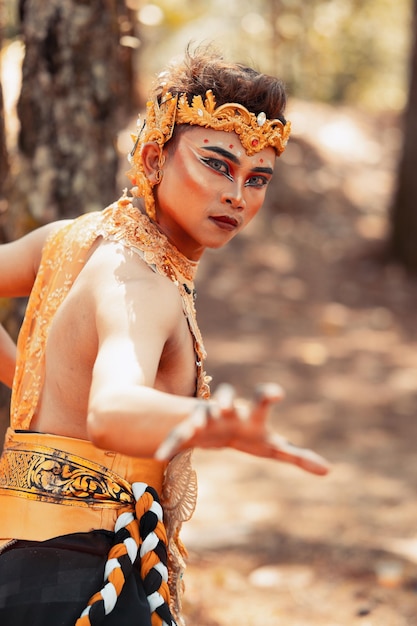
x=151, y=153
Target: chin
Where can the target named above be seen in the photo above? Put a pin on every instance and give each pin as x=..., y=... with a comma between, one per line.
x=217, y=245
x=220, y=242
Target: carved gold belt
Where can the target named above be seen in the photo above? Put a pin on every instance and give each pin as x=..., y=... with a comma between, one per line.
x=34, y=478
x=40, y=471
x=56, y=476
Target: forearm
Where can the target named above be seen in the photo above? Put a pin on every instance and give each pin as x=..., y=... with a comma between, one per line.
x=7, y=357
x=135, y=420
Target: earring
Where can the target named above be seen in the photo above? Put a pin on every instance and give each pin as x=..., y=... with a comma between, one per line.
x=160, y=172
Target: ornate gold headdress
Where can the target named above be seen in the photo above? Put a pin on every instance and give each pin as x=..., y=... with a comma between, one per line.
x=255, y=132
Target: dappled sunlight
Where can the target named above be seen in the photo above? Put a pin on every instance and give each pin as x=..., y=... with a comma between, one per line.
x=10, y=64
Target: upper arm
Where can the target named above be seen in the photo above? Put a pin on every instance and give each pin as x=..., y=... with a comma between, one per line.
x=19, y=261
x=136, y=313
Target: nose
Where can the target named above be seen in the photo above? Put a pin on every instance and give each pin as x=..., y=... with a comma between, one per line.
x=234, y=196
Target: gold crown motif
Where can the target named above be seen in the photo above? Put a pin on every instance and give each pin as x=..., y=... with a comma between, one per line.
x=255, y=132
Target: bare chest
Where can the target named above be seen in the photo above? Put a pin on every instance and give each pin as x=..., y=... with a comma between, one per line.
x=177, y=371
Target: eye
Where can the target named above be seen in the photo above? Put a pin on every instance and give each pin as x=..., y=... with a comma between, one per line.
x=217, y=165
x=257, y=181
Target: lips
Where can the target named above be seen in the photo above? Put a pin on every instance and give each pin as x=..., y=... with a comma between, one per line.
x=225, y=221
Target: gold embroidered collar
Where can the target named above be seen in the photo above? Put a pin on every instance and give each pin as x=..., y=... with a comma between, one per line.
x=138, y=229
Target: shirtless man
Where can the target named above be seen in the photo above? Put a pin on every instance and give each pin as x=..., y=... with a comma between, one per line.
x=110, y=355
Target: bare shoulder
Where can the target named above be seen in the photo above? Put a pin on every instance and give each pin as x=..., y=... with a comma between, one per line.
x=137, y=313
x=120, y=279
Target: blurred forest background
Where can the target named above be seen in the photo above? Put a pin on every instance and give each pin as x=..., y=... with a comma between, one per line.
x=318, y=294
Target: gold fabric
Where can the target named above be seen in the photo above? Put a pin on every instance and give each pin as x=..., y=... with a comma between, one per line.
x=39, y=471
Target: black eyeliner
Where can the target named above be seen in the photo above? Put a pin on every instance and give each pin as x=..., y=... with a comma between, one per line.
x=223, y=152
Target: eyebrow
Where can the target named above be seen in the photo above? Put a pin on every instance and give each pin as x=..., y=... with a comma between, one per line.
x=263, y=170
x=234, y=159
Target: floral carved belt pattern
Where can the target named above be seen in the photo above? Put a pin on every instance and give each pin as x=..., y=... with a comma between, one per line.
x=56, y=476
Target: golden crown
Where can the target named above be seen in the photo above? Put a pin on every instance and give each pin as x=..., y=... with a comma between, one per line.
x=254, y=131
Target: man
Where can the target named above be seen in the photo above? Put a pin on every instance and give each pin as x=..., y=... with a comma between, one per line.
x=110, y=393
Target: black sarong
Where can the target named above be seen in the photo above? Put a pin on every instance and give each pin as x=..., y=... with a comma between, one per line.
x=49, y=583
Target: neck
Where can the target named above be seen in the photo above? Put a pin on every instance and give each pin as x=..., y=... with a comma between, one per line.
x=177, y=238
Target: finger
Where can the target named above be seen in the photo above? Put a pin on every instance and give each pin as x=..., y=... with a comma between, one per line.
x=269, y=392
x=302, y=457
x=265, y=395
x=169, y=447
x=314, y=463
x=242, y=409
x=225, y=397
x=185, y=431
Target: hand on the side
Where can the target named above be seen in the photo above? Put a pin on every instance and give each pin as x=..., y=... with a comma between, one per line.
x=226, y=421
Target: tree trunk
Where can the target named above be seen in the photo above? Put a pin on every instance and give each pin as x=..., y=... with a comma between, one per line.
x=404, y=209
x=4, y=163
x=76, y=93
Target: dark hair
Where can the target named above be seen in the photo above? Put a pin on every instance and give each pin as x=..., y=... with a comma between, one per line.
x=205, y=68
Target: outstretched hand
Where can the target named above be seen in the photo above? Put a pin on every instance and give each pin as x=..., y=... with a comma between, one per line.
x=226, y=421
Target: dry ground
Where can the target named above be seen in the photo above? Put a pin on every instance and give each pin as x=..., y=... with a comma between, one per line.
x=305, y=298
